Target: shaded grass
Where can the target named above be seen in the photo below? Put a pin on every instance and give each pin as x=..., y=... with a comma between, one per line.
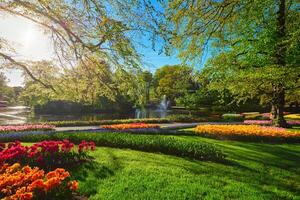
x=256, y=171
x=259, y=171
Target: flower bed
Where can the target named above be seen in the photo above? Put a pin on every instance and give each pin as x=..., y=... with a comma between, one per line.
x=130, y=126
x=25, y=183
x=269, y=122
x=255, y=132
x=149, y=143
x=46, y=154
x=29, y=127
x=108, y=122
x=294, y=122
x=258, y=122
x=293, y=116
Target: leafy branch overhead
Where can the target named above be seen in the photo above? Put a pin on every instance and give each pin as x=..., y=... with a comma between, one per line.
x=77, y=33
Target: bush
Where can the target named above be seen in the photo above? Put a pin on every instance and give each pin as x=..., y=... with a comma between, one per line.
x=108, y=122
x=184, y=118
x=149, y=143
x=233, y=117
x=193, y=118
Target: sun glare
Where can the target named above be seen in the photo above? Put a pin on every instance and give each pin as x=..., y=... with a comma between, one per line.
x=31, y=42
x=29, y=36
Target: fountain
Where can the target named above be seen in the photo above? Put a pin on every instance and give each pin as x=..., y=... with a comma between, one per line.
x=159, y=111
x=163, y=107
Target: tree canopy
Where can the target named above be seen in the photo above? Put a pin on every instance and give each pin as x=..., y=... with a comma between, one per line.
x=255, y=45
x=173, y=81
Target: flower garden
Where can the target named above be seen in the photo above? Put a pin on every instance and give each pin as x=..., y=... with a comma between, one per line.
x=247, y=132
x=67, y=165
x=38, y=171
x=29, y=127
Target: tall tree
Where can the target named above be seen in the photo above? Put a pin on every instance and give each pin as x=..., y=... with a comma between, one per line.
x=173, y=81
x=255, y=45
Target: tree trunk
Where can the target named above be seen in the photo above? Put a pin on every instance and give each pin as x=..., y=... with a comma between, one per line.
x=273, y=112
x=277, y=110
x=278, y=100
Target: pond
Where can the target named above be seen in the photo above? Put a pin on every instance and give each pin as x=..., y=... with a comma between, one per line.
x=23, y=114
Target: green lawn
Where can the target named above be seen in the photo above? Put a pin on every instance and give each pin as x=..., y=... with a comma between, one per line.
x=256, y=171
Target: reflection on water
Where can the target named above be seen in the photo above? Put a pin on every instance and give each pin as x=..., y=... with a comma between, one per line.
x=23, y=114
x=151, y=113
x=14, y=115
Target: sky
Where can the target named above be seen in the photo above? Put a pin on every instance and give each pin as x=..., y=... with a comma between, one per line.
x=31, y=44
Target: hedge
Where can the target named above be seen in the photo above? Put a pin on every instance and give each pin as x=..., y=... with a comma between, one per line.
x=149, y=143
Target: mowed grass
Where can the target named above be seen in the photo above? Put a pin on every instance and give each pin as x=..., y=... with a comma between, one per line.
x=254, y=171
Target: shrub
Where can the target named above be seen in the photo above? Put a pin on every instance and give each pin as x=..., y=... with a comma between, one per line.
x=29, y=127
x=46, y=154
x=184, y=118
x=130, y=126
x=192, y=118
x=108, y=122
x=233, y=117
x=247, y=132
x=149, y=143
x=27, y=183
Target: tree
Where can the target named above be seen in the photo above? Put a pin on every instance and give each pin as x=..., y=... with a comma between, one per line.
x=85, y=83
x=79, y=30
x=173, y=81
x=255, y=45
x=134, y=85
x=3, y=87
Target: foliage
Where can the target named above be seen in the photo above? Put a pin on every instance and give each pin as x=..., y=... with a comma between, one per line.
x=80, y=32
x=233, y=117
x=192, y=118
x=201, y=98
x=27, y=183
x=29, y=127
x=134, y=85
x=248, y=132
x=254, y=46
x=7, y=93
x=85, y=83
x=45, y=154
x=173, y=81
x=130, y=126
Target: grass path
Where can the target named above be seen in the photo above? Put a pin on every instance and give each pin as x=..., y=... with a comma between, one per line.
x=257, y=171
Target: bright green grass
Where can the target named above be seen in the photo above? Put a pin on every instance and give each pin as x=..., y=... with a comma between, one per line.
x=257, y=171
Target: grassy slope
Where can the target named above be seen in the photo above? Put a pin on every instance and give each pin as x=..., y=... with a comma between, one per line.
x=257, y=171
